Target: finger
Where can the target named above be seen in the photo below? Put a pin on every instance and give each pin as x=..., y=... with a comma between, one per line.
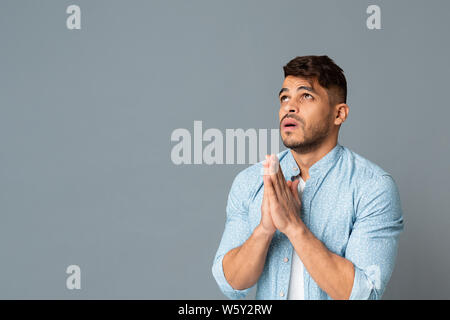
x=266, y=192
x=288, y=188
x=274, y=178
x=294, y=189
x=282, y=181
x=269, y=188
x=266, y=164
x=273, y=163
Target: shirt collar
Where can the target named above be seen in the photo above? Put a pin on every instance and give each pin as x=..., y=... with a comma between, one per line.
x=320, y=167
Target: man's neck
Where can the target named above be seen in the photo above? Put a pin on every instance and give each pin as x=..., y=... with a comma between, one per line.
x=306, y=160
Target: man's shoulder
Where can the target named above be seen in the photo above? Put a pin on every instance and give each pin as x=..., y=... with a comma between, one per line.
x=375, y=188
x=361, y=167
x=368, y=176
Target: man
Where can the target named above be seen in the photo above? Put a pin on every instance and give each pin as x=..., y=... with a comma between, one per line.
x=323, y=222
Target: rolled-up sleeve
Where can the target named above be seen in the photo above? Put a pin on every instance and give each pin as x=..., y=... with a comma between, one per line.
x=237, y=231
x=373, y=242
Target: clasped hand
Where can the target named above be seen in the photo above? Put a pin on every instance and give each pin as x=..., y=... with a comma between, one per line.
x=280, y=208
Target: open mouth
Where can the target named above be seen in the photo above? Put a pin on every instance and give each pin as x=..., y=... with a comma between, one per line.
x=289, y=124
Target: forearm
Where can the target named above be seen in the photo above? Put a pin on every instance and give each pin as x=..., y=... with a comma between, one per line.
x=243, y=265
x=332, y=273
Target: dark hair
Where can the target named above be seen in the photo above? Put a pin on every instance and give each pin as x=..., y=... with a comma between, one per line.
x=328, y=74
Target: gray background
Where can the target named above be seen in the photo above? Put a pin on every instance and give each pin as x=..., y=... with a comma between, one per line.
x=86, y=118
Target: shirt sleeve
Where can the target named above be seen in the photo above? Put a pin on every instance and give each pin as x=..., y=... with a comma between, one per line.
x=237, y=231
x=373, y=242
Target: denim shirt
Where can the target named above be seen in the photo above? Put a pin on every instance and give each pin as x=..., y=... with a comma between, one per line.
x=348, y=203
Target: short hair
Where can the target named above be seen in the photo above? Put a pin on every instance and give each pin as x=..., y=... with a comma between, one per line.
x=328, y=74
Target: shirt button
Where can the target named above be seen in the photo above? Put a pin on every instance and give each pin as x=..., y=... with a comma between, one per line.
x=285, y=259
x=281, y=294
x=295, y=168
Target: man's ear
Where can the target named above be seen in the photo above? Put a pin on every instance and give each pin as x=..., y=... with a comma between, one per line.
x=341, y=113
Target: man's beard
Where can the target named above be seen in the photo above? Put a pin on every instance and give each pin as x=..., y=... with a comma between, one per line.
x=313, y=139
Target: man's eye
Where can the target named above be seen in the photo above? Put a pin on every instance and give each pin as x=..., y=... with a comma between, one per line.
x=282, y=98
x=308, y=96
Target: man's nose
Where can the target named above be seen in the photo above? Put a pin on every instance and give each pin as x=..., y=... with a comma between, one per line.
x=291, y=107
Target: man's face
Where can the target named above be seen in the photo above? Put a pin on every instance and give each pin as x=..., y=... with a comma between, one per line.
x=306, y=117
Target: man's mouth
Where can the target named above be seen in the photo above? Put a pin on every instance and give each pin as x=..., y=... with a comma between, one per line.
x=289, y=124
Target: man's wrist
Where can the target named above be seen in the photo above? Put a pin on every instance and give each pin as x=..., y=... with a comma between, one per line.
x=296, y=230
x=261, y=232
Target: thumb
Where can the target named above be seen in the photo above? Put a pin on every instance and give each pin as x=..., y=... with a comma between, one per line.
x=294, y=189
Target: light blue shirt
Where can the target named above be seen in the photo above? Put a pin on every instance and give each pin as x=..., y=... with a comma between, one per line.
x=348, y=203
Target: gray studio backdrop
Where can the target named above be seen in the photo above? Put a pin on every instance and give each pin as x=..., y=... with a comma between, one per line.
x=86, y=117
